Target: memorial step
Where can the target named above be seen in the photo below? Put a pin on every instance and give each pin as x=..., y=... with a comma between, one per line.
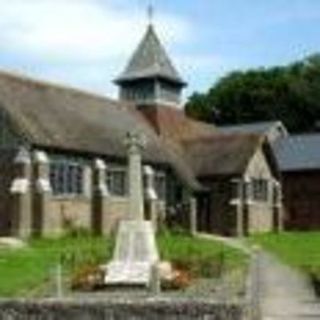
x=128, y=273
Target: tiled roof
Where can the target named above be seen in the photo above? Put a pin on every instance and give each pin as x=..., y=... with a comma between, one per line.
x=221, y=154
x=54, y=116
x=298, y=152
x=173, y=124
x=266, y=128
x=150, y=60
x=202, y=146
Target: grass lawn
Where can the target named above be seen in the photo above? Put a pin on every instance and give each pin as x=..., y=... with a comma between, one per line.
x=299, y=249
x=24, y=271
x=203, y=257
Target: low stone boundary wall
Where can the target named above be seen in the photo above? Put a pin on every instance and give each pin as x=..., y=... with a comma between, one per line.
x=188, y=309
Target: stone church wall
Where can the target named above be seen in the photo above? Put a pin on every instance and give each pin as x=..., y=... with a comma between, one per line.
x=53, y=214
x=68, y=213
x=221, y=215
x=260, y=213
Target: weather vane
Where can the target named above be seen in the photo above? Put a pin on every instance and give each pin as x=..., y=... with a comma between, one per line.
x=150, y=13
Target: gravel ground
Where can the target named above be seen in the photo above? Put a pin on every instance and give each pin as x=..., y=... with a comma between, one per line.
x=212, y=289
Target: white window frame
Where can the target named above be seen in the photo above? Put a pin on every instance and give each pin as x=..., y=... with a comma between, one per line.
x=114, y=187
x=260, y=189
x=66, y=177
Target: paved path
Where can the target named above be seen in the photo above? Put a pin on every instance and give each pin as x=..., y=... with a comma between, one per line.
x=284, y=293
x=231, y=242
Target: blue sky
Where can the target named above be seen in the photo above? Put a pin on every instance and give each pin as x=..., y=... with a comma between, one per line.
x=86, y=43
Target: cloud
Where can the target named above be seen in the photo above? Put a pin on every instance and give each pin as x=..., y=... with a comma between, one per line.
x=79, y=30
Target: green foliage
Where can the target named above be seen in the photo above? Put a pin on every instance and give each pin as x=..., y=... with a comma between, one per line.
x=299, y=249
x=24, y=271
x=290, y=94
x=202, y=257
x=29, y=271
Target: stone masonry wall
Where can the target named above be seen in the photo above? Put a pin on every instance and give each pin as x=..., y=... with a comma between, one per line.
x=260, y=214
x=74, y=212
x=103, y=310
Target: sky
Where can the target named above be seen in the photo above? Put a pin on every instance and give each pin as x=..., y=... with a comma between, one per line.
x=87, y=43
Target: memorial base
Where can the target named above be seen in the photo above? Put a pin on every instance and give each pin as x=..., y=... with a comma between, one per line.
x=135, y=254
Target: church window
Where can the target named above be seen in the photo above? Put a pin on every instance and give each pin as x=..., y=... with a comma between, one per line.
x=235, y=189
x=66, y=177
x=160, y=185
x=117, y=181
x=260, y=189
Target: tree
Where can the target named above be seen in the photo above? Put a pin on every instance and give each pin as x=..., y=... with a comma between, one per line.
x=290, y=94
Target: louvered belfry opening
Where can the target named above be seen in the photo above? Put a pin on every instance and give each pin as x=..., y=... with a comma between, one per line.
x=150, y=76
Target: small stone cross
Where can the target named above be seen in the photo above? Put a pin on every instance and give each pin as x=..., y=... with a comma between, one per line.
x=150, y=13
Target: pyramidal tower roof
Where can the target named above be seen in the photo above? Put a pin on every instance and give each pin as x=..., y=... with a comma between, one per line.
x=150, y=60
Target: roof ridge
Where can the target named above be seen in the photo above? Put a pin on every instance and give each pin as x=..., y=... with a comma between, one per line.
x=219, y=135
x=304, y=135
x=250, y=123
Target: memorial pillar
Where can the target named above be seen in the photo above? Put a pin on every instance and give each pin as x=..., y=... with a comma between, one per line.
x=135, y=144
x=135, y=251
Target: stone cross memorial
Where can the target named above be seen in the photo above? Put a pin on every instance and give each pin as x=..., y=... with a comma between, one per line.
x=135, y=252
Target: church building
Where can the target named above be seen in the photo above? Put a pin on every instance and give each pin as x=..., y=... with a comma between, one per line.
x=63, y=159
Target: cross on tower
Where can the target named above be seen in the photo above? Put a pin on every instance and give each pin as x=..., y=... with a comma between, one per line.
x=150, y=13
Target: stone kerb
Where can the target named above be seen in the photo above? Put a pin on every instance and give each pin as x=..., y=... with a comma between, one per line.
x=21, y=198
x=146, y=309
